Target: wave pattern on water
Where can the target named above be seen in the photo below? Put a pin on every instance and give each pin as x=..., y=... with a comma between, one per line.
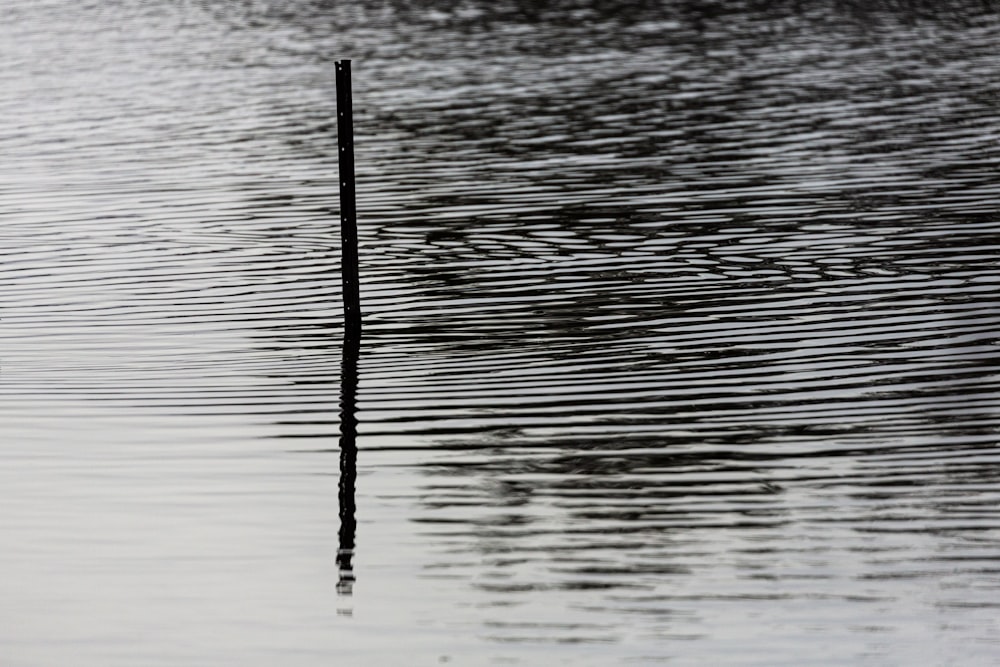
x=681, y=324
x=697, y=330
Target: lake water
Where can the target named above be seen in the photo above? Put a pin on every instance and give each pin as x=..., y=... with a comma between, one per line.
x=681, y=334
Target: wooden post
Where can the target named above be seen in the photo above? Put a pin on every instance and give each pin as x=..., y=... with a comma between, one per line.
x=348, y=207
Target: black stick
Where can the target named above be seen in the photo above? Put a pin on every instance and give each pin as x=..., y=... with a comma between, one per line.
x=352, y=329
x=348, y=207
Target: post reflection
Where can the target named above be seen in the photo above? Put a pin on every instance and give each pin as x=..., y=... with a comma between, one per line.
x=348, y=463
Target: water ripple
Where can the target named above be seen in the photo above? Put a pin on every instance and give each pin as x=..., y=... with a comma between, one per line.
x=681, y=328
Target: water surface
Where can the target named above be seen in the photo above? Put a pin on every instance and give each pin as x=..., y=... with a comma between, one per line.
x=680, y=340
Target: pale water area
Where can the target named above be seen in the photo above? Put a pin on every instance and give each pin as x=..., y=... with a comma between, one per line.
x=681, y=334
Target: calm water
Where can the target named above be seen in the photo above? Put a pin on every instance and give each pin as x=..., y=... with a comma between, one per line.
x=681, y=341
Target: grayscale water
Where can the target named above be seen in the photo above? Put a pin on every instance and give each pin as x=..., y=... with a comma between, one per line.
x=681, y=334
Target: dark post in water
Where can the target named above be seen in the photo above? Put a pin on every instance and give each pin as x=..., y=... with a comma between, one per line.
x=352, y=329
x=348, y=208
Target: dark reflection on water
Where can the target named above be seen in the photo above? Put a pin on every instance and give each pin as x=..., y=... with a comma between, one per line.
x=348, y=463
x=681, y=336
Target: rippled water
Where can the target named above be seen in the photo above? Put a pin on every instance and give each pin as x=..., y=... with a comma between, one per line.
x=681, y=334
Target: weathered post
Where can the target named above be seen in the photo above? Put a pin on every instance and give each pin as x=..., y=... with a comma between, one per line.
x=348, y=207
